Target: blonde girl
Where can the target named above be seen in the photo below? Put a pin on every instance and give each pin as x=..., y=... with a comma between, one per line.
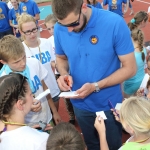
x=39, y=48
x=135, y=118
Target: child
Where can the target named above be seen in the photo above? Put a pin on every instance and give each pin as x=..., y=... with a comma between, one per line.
x=50, y=21
x=64, y=136
x=41, y=49
x=135, y=118
x=15, y=103
x=12, y=54
x=13, y=14
x=139, y=21
x=94, y=3
x=115, y=5
x=131, y=85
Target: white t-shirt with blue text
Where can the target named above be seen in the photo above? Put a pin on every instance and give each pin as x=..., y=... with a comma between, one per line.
x=47, y=56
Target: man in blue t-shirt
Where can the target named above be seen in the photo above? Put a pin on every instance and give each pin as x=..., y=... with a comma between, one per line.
x=115, y=5
x=91, y=44
x=5, y=28
x=29, y=7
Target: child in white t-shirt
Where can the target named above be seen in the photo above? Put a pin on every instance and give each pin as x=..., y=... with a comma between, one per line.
x=50, y=21
x=15, y=103
x=135, y=118
x=41, y=49
x=12, y=54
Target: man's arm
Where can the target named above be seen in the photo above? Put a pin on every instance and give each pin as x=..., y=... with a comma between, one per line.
x=127, y=70
x=63, y=68
x=62, y=64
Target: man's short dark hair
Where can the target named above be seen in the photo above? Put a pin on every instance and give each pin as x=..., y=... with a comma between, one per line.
x=62, y=8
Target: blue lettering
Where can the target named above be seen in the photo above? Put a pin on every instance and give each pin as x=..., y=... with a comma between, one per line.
x=37, y=56
x=34, y=87
x=37, y=82
x=44, y=59
x=48, y=55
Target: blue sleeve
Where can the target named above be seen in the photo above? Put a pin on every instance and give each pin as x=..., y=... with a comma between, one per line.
x=105, y=2
x=124, y=1
x=99, y=5
x=10, y=15
x=122, y=38
x=58, y=48
x=35, y=9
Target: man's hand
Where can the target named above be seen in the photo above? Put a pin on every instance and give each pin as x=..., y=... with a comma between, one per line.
x=36, y=106
x=37, y=126
x=65, y=82
x=85, y=90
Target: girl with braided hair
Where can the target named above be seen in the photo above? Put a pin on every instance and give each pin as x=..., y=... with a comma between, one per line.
x=139, y=21
x=15, y=103
x=131, y=85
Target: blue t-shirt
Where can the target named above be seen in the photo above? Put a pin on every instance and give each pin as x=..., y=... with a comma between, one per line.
x=98, y=5
x=93, y=55
x=4, y=20
x=115, y=5
x=13, y=15
x=29, y=7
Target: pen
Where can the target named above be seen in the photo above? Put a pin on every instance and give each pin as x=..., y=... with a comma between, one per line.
x=67, y=81
x=113, y=108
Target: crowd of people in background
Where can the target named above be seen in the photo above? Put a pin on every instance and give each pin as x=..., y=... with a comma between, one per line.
x=100, y=68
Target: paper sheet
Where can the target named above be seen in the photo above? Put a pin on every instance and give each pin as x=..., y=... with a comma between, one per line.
x=102, y=114
x=118, y=106
x=68, y=94
x=43, y=94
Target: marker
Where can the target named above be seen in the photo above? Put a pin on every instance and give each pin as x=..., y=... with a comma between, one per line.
x=113, y=108
x=67, y=81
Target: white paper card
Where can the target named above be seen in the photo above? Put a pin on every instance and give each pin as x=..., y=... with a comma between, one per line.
x=43, y=94
x=68, y=94
x=118, y=106
x=102, y=114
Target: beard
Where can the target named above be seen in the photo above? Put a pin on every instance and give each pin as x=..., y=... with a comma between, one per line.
x=83, y=25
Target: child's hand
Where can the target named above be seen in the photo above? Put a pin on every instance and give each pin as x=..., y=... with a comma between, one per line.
x=36, y=106
x=48, y=127
x=100, y=125
x=56, y=117
x=116, y=114
x=140, y=92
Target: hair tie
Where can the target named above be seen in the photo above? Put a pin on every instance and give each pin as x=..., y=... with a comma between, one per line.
x=132, y=20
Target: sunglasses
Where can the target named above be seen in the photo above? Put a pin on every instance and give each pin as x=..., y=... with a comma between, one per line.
x=28, y=32
x=73, y=24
